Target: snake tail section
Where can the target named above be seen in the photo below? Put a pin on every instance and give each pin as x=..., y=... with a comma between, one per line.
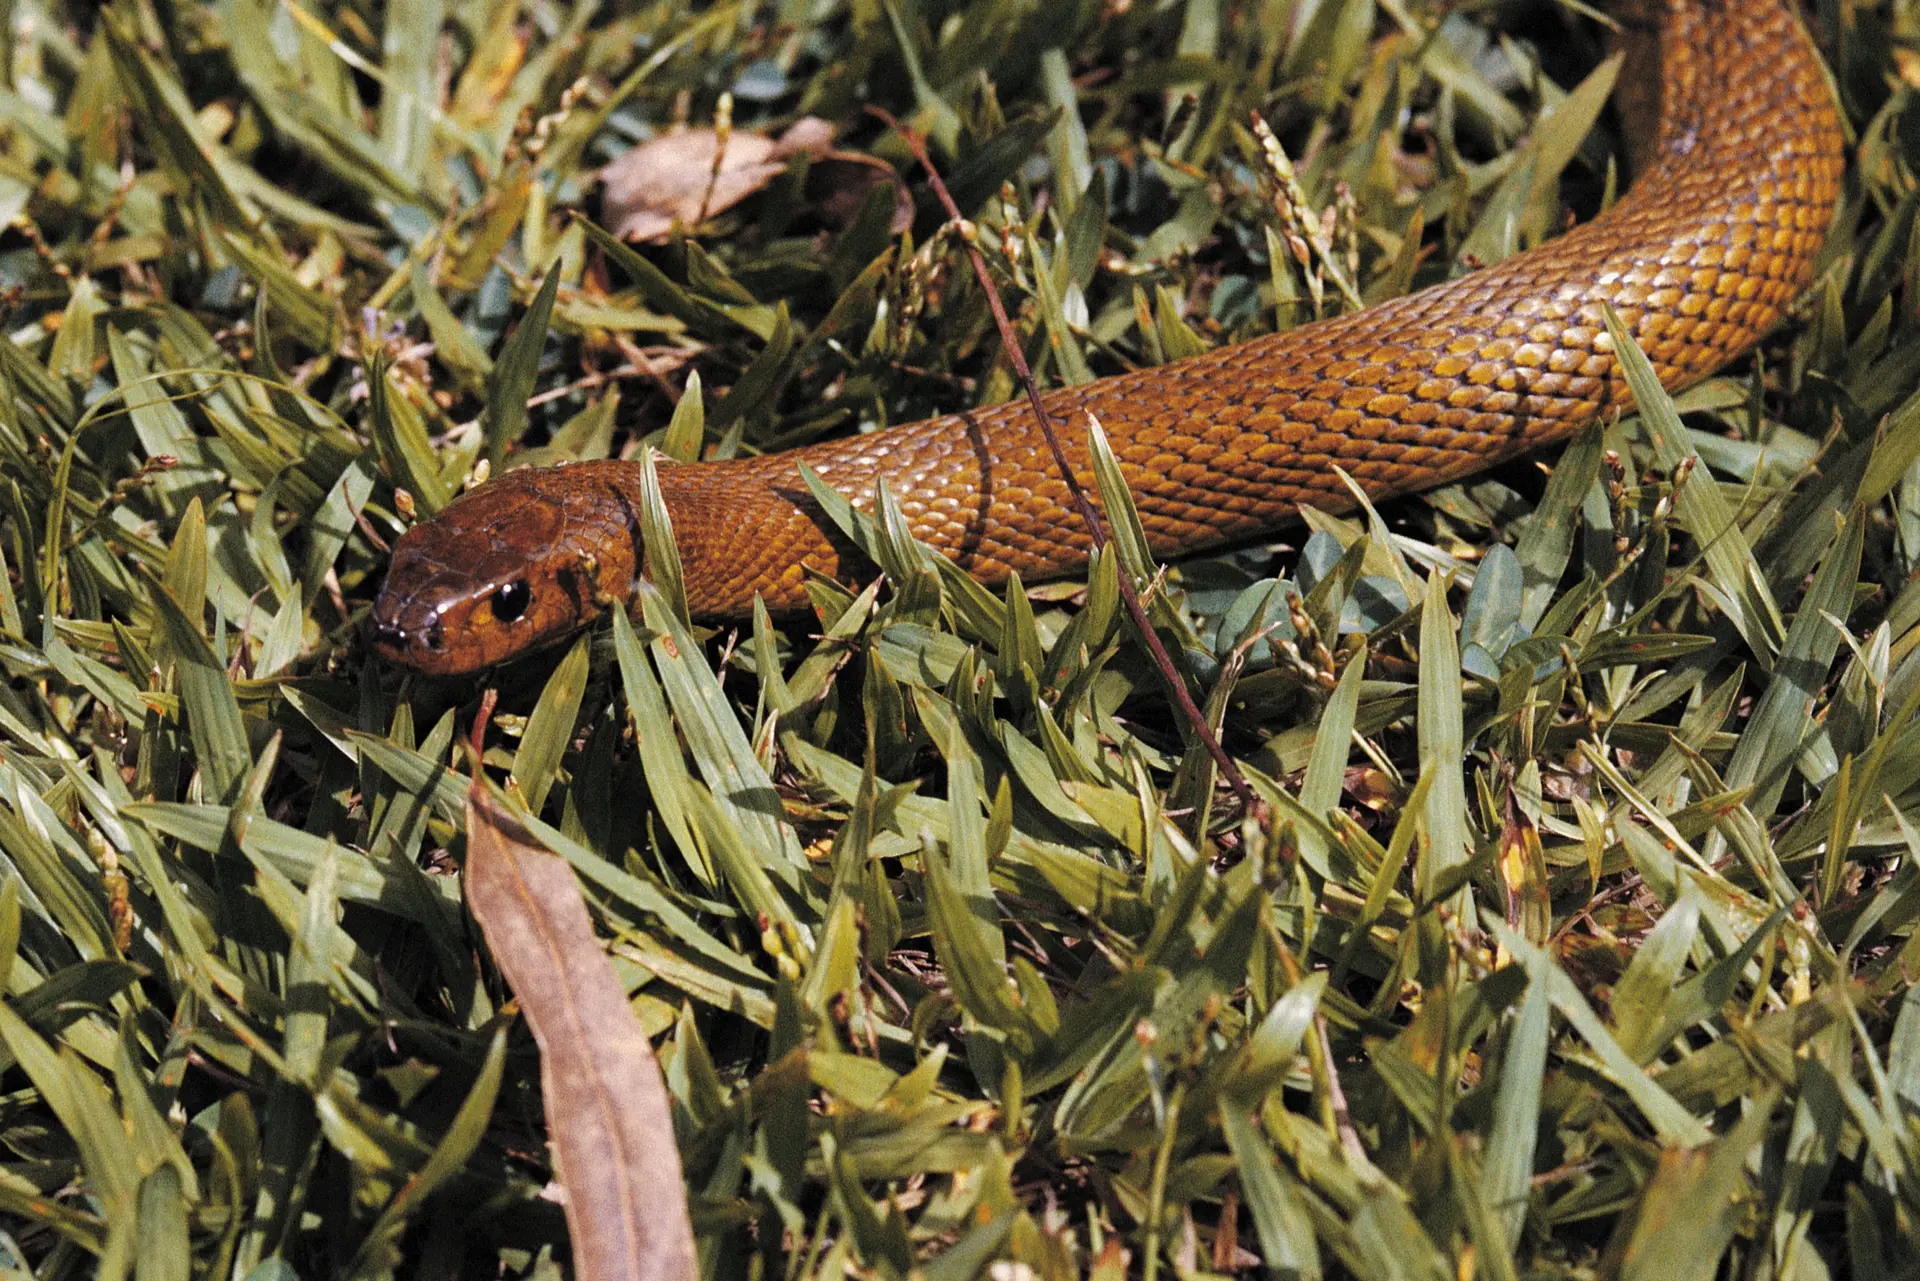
x=1703, y=255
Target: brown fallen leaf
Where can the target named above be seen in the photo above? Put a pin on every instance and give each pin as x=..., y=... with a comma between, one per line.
x=607, y=1112
x=672, y=181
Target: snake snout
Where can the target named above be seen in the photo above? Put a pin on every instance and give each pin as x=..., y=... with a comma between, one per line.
x=398, y=638
x=389, y=636
x=407, y=631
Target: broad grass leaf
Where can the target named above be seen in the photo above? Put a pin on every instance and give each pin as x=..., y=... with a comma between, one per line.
x=1490, y=623
x=834, y=972
x=294, y=853
x=1287, y=1240
x=109, y=686
x=1671, y=1121
x=1384, y=883
x=9, y=927
x=549, y=730
x=400, y=436
x=1703, y=996
x=672, y=923
x=1693, y=1204
x=185, y=572
x=155, y=1142
x=306, y=99
x=1640, y=998
x=668, y=780
x=1276, y=1039
x=409, y=98
x=759, y=884
x=687, y=429
x=32, y=387
x=309, y=974
x=379, y=1250
x=701, y=316
x=745, y=796
x=275, y=975
x=1523, y=207
x=657, y=538
x=85, y=1111
x=919, y=655
x=888, y=542
x=1700, y=505
x=754, y=391
x=511, y=381
x=1778, y=727
x=1063, y=344
x=309, y=315
x=971, y=1255
x=162, y=106
x=329, y=528
x=12, y=622
x=162, y=428
x=453, y=342
x=969, y=950
x=1018, y=658
x=206, y=696
x=1903, y=1051
x=967, y=850
x=1122, y=518
x=915, y=582
x=1893, y=454
x=165, y=1249
x=1067, y=143
x=1508, y=1163
x=1442, y=745
x=1391, y=1241
x=1127, y=1074
x=1814, y=1138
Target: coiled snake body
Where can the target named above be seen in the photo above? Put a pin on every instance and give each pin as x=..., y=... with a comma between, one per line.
x=1698, y=260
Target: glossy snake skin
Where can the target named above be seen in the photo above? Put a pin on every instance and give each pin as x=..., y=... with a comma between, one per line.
x=1699, y=260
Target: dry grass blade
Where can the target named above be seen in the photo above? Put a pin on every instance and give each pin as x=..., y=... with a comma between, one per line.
x=607, y=1111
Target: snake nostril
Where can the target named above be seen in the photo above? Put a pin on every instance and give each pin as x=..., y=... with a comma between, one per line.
x=390, y=634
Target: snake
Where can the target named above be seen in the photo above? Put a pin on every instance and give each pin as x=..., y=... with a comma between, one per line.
x=1740, y=172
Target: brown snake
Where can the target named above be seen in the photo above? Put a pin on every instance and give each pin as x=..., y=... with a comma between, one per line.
x=1699, y=260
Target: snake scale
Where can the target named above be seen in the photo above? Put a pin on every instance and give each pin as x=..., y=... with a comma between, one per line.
x=1699, y=259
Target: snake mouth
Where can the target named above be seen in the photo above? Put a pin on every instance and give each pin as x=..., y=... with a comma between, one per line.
x=422, y=647
x=390, y=639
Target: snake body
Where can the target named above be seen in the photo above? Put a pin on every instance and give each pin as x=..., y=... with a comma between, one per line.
x=1699, y=260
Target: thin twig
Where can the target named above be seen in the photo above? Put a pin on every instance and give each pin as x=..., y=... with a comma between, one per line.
x=1336, y=1097
x=1096, y=524
x=477, y=739
x=588, y=382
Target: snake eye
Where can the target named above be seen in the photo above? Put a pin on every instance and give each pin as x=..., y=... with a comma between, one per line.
x=511, y=601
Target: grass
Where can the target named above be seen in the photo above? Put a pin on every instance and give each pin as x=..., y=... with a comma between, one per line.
x=1579, y=946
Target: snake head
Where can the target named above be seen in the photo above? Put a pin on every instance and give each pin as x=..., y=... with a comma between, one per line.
x=513, y=566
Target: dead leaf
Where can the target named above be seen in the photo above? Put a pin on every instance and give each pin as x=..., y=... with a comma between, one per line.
x=672, y=181
x=607, y=1112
